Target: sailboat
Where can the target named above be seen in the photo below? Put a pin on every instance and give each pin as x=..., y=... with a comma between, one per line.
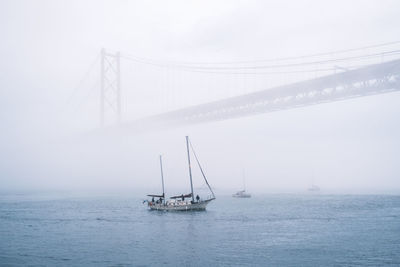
x=313, y=187
x=183, y=202
x=242, y=193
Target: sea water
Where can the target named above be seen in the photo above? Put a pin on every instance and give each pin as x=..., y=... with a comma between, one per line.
x=266, y=230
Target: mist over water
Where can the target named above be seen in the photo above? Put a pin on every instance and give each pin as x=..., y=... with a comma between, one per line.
x=279, y=152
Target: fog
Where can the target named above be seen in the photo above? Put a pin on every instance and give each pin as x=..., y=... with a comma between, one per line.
x=49, y=116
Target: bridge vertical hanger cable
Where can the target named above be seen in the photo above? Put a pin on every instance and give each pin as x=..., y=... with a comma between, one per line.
x=171, y=88
x=180, y=89
x=246, y=83
x=175, y=88
x=242, y=89
x=165, y=89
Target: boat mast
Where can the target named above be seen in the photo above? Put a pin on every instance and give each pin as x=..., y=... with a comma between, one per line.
x=190, y=168
x=244, y=183
x=162, y=179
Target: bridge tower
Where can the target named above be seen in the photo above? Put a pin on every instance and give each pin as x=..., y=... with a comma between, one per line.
x=110, y=88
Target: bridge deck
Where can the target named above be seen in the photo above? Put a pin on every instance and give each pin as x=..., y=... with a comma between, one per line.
x=374, y=79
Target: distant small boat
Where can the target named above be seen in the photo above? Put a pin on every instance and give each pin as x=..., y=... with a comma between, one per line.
x=242, y=193
x=314, y=188
x=183, y=202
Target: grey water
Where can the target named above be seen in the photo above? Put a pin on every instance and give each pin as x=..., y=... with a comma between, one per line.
x=267, y=230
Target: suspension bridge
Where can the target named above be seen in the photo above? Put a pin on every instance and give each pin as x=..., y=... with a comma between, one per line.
x=175, y=93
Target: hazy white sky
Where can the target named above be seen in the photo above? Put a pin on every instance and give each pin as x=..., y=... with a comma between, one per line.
x=46, y=47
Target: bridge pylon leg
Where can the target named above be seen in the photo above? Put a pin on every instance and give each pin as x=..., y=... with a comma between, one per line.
x=110, y=88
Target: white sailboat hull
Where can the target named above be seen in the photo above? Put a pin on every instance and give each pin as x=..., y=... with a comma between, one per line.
x=180, y=206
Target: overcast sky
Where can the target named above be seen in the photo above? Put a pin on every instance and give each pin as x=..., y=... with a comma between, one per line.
x=47, y=46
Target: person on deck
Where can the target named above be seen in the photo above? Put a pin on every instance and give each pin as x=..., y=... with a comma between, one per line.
x=197, y=198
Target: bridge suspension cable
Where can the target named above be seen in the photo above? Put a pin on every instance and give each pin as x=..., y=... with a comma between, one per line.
x=84, y=78
x=212, y=69
x=194, y=64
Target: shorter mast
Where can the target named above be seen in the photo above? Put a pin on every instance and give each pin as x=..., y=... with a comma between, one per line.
x=162, y=179
x=190, y=168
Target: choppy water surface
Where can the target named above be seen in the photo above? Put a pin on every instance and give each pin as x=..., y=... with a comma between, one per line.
x=270, y=230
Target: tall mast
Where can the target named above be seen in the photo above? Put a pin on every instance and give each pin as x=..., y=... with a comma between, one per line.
x=190, y=168
x=162, y=179
x=244, y=183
